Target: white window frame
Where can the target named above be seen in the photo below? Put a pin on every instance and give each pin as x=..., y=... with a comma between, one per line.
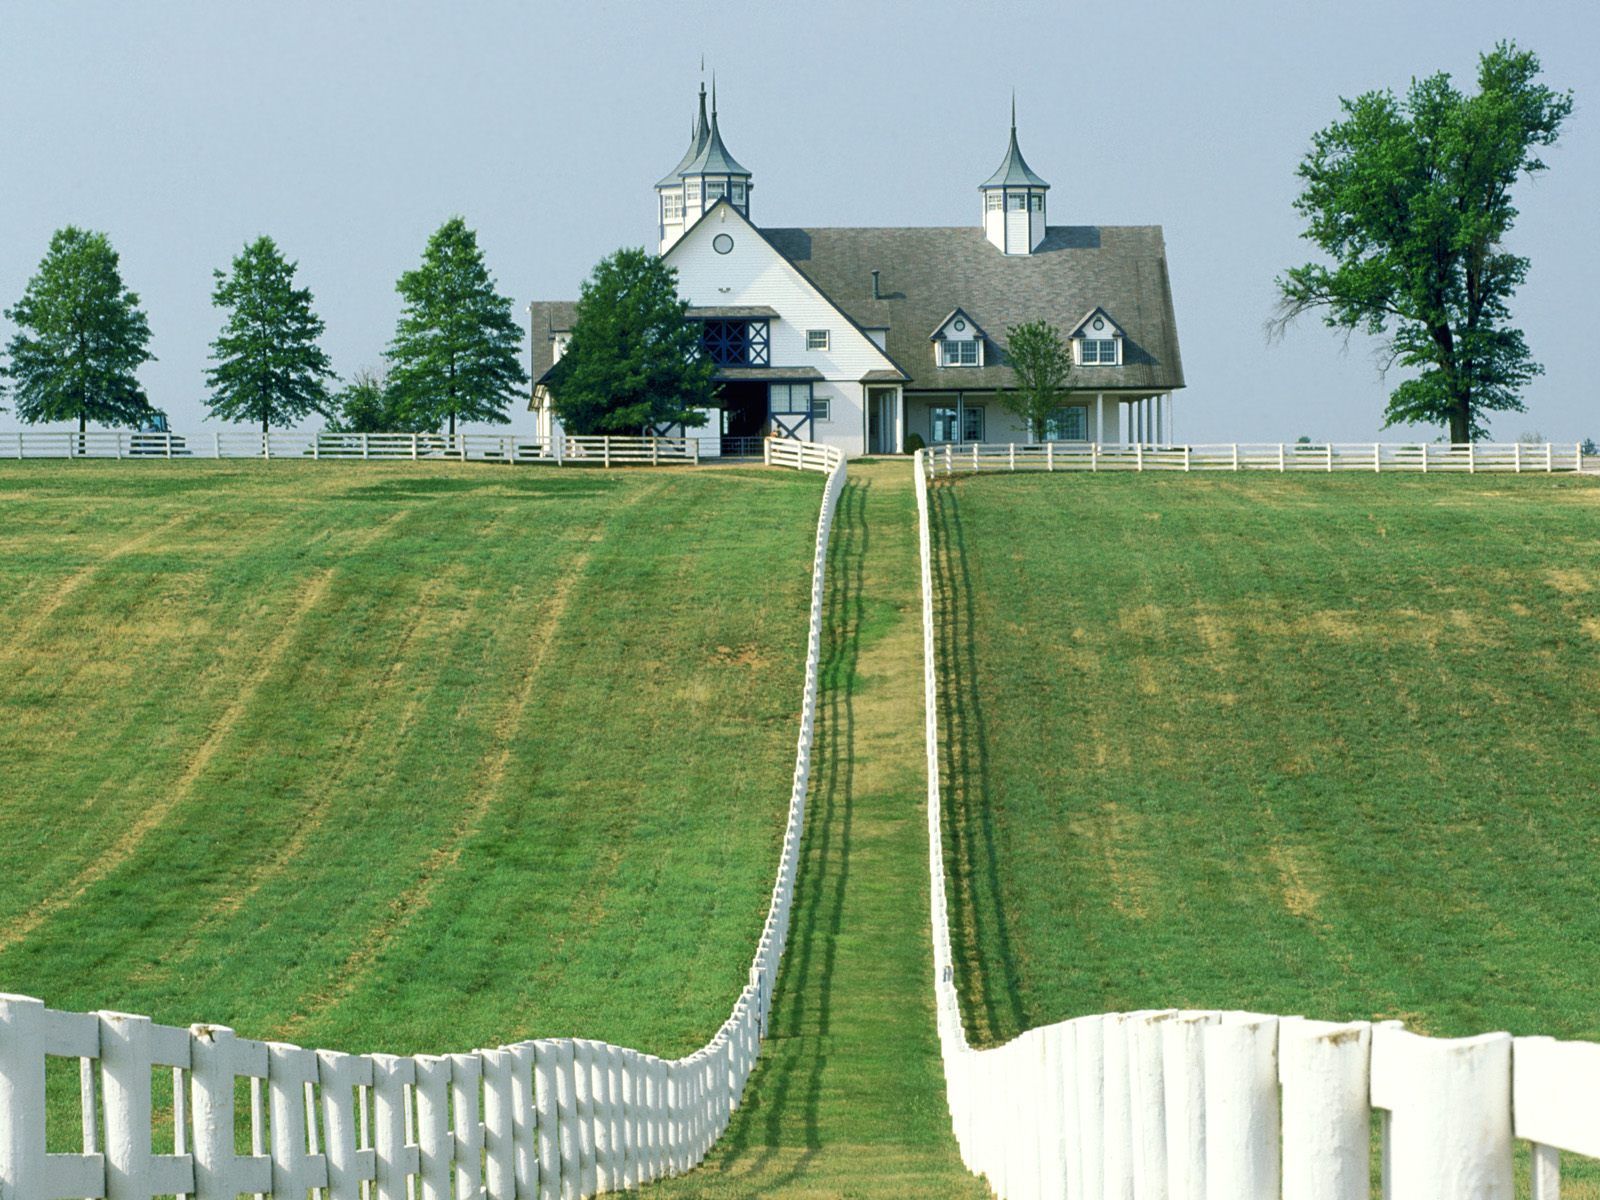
x=817, y=339
x=1036, y=202
x=994, y=202
x=672, y=206
x=1016, y=202
x=821, y=407
x=1053, y=428
x=936, y=414
x=1098, y=357
x=948, y=357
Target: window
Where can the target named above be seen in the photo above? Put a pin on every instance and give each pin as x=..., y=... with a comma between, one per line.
x=1099, y=351
x=942, y=424
x=993, y=202
x=822, y=408
x=559, y=348
x=958, y=354
x=1016, y=203
x=715, y=190
x=1068, y=425
x=693, y=189
x=972, y=423
x=816, y=339
x=672, y=206
x=738, y=193
x=1036, y=202
x=735, y=343
x=790, y=398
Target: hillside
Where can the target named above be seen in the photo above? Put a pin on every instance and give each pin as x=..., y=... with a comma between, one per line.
x=1320, y=746
x=400, y=757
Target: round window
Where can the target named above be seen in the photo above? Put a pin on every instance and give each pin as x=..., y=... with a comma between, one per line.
x=722, y=244
x=1099, y=323
x=959, y=325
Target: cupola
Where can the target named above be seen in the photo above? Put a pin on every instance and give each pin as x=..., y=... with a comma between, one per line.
x=706, y=173
x=1014, y=201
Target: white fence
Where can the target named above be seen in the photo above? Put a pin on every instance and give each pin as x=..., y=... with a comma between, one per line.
x=1179, y=1105
x=552, y=1118
x=385, y=447
x=1469, y=457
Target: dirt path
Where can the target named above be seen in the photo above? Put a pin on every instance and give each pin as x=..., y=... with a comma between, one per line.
x=849, y=1097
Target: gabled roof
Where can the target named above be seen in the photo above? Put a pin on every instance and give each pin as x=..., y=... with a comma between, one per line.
x=924, y=272
x=1014, y=171
x=938, y=330
x=698, y=136
x=1096, y=311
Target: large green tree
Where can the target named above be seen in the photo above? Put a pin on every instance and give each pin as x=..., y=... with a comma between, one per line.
x=81, y=337
x=1042, y=363
x=633, y=363
x=270, y=369
x=456, y=352
x=1411, y=200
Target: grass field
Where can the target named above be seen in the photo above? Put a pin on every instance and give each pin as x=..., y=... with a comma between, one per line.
x=396, y=757
x=1318, y=746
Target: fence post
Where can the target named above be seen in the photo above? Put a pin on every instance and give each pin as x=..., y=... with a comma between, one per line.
x=1280, y=458
x=1424, y=458
x=974, y=458
x=216, y=444
x=1138, y=456
x=1377, y=458
x=1472, y=458
x=1516, y=452
x=1329, y=447
x=1242, y=1120
x=1094, y=456
x=1186, y=456
x=1577, y=451
x=413, y=447
x=363, y=445
x=266, y=445
x=1549, y=462
x=1449, y=1105
x=1013, y=457
x=349, y=1167
x=1327, y=1122
x=24, y=1167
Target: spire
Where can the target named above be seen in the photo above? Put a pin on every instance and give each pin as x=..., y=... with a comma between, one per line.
x=713, y=158
x=1014, y=170
x=699, y=134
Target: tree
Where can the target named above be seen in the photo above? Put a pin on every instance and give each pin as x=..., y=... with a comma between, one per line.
x=269, y=367
x=81, y=336
x=456, y=353
x=367, y=404
x=633, y=363
x=1042, y=363
x=1411, y=199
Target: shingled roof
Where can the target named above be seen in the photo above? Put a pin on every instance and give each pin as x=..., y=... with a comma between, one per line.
x=548, y=318
x=925, y=272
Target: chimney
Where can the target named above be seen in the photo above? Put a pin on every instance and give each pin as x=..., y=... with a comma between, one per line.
x=875, y=294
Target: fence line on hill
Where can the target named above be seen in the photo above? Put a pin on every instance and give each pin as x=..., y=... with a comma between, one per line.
x=1209, y=1105
x=1423, y=457
x=546, y=1119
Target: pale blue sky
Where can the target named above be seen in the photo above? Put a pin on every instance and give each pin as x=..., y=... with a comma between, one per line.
x=350, y=131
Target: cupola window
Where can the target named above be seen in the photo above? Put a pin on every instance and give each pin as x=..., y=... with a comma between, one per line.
x=1016, y=203
x=672, y=206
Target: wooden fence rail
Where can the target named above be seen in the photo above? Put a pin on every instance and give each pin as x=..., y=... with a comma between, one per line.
x=1187, y=1105
x=1466, y=457
x=546, y=1119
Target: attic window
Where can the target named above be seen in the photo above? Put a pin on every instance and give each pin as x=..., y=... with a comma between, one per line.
x=958, y=353
x=816, y=339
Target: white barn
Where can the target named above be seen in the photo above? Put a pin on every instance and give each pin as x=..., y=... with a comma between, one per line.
x=861, y=337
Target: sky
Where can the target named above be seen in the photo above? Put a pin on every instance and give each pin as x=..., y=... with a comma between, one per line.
x=350, y=131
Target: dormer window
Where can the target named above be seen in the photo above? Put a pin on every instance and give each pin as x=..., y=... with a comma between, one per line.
x=958, y=353
x=1098, y=340
x=1099, y=352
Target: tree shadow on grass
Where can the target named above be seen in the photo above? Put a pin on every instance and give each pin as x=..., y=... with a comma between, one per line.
x=789, y=1083
x=980, y=933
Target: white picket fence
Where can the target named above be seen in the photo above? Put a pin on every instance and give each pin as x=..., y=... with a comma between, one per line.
x=1468, y=457
x=551, y=1118
x=1181, y=1105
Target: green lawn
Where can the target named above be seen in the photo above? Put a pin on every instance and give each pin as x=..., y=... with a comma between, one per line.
x=396, y=757
x=1325, y=746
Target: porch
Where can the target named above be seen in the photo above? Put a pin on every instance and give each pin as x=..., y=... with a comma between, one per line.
x=944, y=418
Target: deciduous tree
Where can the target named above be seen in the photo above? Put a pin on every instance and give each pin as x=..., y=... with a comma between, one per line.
x=1411, y=200
x=81, y=338
x=634, y=362
x=269, y=368
x=456, y=351
x=1042, y=362
x=367, y=404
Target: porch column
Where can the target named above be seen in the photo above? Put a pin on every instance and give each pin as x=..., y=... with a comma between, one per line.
x=1099, y=417
x=899, y=420
x=961, y=418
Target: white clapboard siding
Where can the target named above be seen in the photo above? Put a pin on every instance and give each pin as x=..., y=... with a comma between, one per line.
x=1171, y=1105
x=552, y=1119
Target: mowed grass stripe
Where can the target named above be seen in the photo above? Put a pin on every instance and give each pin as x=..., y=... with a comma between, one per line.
x=447, y=813
x=1304, y=746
